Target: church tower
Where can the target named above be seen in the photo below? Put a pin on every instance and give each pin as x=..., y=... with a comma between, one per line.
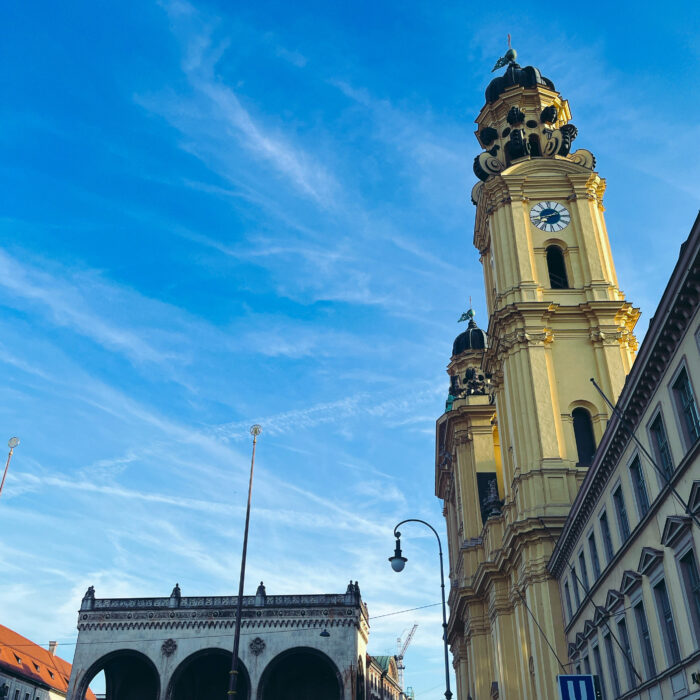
x=513, y=447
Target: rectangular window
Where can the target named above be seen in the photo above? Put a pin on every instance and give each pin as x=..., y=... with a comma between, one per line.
x=645, y=639
x=587, y=664
x=578, y=669
x=660, y=444
x=612, y=666
x=567, y=595
x=594, y=555
x=663, y=605
x=640, y=487
x=625, y=642
x=691, y=582
x=686, y=407
x=574, y=583
x=584, y=572
x=16, y=694
x=622, y=521
x=607, y=539
x=599, y=670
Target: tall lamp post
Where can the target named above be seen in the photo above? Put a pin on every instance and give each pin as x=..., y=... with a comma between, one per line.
x=233, y=674
x=397, y=564
x=11, y=443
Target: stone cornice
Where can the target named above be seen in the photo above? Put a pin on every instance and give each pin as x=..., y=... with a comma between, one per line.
x=219, y=612
x=666, y=329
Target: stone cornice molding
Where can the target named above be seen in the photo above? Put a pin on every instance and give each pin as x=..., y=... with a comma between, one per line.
x=219, y=612
x=666, y=329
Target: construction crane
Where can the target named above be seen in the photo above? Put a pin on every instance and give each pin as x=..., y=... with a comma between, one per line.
x=402, y=646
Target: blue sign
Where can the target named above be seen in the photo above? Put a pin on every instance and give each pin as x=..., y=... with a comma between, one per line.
x=576, y=687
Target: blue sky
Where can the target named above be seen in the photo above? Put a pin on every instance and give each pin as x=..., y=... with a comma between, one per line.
x=219, y=213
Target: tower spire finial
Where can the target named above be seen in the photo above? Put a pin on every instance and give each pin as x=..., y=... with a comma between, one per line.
x=508, y=57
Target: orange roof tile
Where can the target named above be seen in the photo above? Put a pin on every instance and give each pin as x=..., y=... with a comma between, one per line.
x=23, y=657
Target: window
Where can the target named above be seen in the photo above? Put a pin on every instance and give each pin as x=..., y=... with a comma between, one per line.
x=556, y=268
x=567, y=595
x=645, y=639
x=660, y=444
x=586, y=664
x=574, y=583
x=578, y=669
x=625, y=642
x=621, y=511
x=686, y=407
x=594, y=555
x=599, y=670
x=612, y=665
x=584, y=571
x=640, y=487
x=607, y=539
x=16, y=694
x=691, y=583
x=663, y=605
x=583, y=432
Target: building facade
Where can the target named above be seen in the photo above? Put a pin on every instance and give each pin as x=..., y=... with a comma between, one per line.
x=383, y=678
x=179, y=648
x=522, y=418
x=30, y=672
x=627, y=559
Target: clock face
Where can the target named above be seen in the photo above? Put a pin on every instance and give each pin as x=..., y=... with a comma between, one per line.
x=550, y=216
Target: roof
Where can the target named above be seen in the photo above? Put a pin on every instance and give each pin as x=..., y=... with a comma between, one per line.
x=471, y=339
x=22, y=657
x=386, y=664
x=527, y=77
x=382, y=662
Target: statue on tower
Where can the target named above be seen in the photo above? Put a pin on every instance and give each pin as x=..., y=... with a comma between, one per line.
x=509, y=57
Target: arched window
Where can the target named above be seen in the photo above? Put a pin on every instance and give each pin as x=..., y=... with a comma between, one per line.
x=583, y=432
x=557, y=268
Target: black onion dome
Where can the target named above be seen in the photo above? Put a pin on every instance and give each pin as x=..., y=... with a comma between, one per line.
x=527, y=77
x=472, y=339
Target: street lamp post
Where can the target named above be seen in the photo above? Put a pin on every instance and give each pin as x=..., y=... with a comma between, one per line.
x=233, y=674
x=397, y=564
x=11, y=443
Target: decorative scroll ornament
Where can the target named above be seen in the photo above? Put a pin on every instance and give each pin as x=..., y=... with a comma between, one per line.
x=526, y=136
x=582, y=157
x=168, y=647
x=257, y=646
x=487, y=164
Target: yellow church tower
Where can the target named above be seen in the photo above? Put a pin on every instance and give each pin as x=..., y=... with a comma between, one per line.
x=522, y=419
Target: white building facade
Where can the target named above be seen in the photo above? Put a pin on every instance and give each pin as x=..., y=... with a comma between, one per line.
x=179, y=648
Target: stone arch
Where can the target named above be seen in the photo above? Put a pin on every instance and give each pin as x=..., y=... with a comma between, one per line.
x=204, y=675
x=301, y=673
x=129, y=675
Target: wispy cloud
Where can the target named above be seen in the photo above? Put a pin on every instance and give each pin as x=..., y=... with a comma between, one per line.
x=67, y=305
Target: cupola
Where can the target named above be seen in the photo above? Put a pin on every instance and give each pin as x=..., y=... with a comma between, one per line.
x=471, y=339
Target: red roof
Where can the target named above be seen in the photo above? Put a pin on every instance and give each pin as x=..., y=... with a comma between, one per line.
x=24, y=658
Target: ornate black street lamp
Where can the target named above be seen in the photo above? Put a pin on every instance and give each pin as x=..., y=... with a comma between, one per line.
x=233, y=674
x=397, y=564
